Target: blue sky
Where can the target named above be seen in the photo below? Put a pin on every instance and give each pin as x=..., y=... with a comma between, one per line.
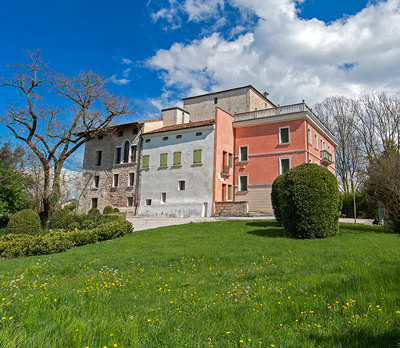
x=158, y=51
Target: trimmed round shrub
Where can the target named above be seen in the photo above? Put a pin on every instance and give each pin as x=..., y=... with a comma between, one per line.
x=58, y=219
x=275, y=198
x=26, y=221
x=93, y=213
x=116, y=210
x=108, y=209
x=310, y=202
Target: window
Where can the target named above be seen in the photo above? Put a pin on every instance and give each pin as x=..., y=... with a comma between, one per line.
x=329, y=149
x=134, y=131
x=118, y=155
x=284, y=135
x=146, y=161
x=133, y=153
x=179, y=136
x=126, y=152
x=230, y=160
x=94, y=202
x=322, y=145
x=130, y=201
x=309, y=136
x=98, y=158
x=316, y=141
x=96, y=179
x=284, y=165
x=131, y=179
x=223, y=192
x=165, y=138
x=181, y=185
x=229, y=192
x=309, y=160
x=163, y=197
x=197, y=156
x=148, y=201
x=164, y=160
x=177, y=158
x=147, y=140
x=243, y=182
x=115, y=180
x=199, y=134
x=120, y=133
x=243, y=153
x=216, y=100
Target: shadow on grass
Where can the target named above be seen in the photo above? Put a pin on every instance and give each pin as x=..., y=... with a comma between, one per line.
x=360, y=228
x=268, y=229
x=360, y=338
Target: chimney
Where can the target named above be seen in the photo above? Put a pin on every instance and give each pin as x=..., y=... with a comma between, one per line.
x=266, y=94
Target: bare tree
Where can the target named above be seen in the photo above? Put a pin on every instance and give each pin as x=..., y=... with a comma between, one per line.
x=54, y=128
x=338, y=114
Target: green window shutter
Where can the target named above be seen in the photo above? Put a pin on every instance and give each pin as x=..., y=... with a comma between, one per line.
x=230, y=160
x=229, y=192
x=197, y=156
x=146, y=161
x=164, y=160
x=177, y=158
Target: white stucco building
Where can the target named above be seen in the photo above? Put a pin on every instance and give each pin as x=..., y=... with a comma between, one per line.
x=177, y=170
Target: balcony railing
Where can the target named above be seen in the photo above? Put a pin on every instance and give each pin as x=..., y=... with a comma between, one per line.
x=225, y=170
x=326, y=158
x=284, y=110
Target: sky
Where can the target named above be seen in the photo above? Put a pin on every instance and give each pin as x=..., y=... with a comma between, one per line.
x=157, y=52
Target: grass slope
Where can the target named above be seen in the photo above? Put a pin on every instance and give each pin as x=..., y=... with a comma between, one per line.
x=223, y=284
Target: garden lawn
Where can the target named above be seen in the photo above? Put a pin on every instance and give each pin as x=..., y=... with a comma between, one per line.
x=221, y=284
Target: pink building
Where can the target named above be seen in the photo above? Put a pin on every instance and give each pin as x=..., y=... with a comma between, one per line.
x=269, y=142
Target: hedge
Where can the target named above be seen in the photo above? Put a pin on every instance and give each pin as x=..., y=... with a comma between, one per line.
x=17, y=245
x=26, y=221
x=310, y=202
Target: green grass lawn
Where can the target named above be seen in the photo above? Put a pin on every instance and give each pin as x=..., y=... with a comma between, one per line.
x=223, y=284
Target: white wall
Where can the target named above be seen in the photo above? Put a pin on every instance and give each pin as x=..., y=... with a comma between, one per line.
x=198, y=178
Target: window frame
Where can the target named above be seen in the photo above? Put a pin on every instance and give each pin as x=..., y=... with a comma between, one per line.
x=131, y=179
x=98, y=158
x=240, y=183
x=164, y=158
x=129, y=199
x=316, y=141
x=163, y=198
x=174, y=161
x=133, y=152
x=118, y=153
x=309, y=136
x=195, y=151
x=147, y=202
x=280, y=163
x=148, y=161
x=115, y=180
x=180, y=185
x=96, y=181
x=247, y=153
x=94, y=206
x=280, y=135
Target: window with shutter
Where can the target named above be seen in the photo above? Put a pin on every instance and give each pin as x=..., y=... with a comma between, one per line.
x=177, y=158
x=146, y=161
x=197, y=156
x=164, y=160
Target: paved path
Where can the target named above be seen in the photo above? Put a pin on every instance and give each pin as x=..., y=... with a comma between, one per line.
x=145, y=223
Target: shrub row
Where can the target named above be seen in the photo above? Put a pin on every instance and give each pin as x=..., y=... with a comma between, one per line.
x=17, y=245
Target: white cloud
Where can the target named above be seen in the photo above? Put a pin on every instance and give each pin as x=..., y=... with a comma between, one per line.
x=290, y=57
x=126, y=61
x=118, y=81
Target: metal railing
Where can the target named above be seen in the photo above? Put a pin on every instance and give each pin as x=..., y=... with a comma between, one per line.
x=225, y=170
x=326, y=157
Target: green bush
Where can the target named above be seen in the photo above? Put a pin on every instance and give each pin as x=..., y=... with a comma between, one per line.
x=70, y=206
x=310, y=202
x=275, y=198
x=113, y=230
x=26, y=221
x=116, y=210
x=58, y=219
x=108, y=209
x=93, y=212
x=17, y=245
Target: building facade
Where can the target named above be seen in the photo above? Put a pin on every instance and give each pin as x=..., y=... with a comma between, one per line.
x=220, y=150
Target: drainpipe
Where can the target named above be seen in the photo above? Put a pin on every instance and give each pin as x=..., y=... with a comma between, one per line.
x=138, y=176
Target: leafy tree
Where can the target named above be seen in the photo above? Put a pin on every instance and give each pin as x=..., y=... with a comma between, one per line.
x=56, y=114
x=14, y=183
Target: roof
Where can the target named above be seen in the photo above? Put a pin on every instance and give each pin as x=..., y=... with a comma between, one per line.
x=232, y=89
x=182, y=126
x=173, y=108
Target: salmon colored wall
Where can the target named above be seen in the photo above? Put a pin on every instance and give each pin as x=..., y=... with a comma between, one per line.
x=263, y=140
x=224, y=141
x=316, y=154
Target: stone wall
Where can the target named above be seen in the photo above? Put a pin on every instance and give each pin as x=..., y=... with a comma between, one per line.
x=231, y=208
